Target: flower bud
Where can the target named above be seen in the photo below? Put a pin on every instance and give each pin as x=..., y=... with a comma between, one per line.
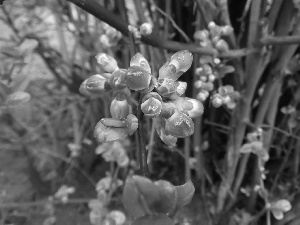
x=119, y=107
x=132, y=124
x=137, y=78
x=110, y=129
x=217, y=101
x=97, y=84
x=181, y=88
x=198, y=83
x=83, y=89
x=105, y=41
x=117, y=79
x=203, y=78
x=231, y=104
x=179, y=125
x=227, y=30
x=202, y=95
x=211, y=77
x=139, y=60
x=166, y=87
x=179, y=63
x=151, y=105
x=222, y=46
x=166, y=138
x=201, y=35
x=123, y=161
x=208, y=86
x=146, y=29
x=225, y=90
x=108, y=63
x=117, y=216
x=191, y=107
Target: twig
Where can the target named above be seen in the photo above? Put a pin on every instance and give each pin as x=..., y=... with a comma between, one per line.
x=94, y=8
x=13, y=205
x=283, y=40
x=172, y=21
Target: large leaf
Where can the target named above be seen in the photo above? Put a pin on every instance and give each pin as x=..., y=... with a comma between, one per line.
x=132, y=199
x=154, y=220
x=185, y=193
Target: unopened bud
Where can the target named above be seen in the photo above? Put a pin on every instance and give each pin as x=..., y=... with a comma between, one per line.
x=97, y=84
x=119, y=108
x=108, y=63
x=146, y=29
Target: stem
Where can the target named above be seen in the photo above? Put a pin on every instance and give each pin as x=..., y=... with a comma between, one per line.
x=141, y=142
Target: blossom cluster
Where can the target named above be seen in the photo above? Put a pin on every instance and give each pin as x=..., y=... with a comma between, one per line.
x=210, y=70
x=162, y=97
x=114, y=152
x=213, y=36
x=110, y=37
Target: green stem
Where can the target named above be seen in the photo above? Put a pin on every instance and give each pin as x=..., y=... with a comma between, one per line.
x=141, y=142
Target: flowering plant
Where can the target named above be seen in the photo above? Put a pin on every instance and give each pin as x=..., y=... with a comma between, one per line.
x=162, y=97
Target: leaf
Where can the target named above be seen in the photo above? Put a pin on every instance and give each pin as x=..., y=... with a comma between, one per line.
x=283, y=205
x=17, y=98
x=277, y=213
x=131, y=199
x=167, y=197
x=185, y=193
x=154, y=220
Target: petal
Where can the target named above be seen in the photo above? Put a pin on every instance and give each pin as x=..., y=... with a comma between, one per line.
x=117, y=79
x=132, y=124
x=179, y=125
x=166, y=87
x=179, y=63
x=106, y=134
x=192, y=107
x=160, y=128
x=139, y=60
x=83, y=89
x=137, y=78
x=151, y=104
x=278, y=214
x=282, y=204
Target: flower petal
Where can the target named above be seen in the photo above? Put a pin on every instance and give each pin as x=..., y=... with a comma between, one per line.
x=106, y=134
x=137, y=78
x=179, y=63
x=139, y=60
x=179, y=125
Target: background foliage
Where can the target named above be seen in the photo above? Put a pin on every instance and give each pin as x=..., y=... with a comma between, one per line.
x=47, y=125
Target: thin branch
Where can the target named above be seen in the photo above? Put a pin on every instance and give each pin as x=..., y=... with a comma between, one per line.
x=94, y=8
x=172, y=21
x=283, y=40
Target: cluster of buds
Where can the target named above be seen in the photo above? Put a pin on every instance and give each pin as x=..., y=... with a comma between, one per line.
x=110, y=37
x=63, y=193
x=227, y=96
x=209, y=70
x=114, y=152
x=145, y=29
x=100, y=215
x=255, y=145
x=174, y=113
x=213, y=37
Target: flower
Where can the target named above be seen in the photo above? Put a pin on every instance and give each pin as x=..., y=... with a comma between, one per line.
x=279, y=207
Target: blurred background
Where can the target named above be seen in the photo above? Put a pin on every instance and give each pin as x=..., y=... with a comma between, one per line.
x=50, y=162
